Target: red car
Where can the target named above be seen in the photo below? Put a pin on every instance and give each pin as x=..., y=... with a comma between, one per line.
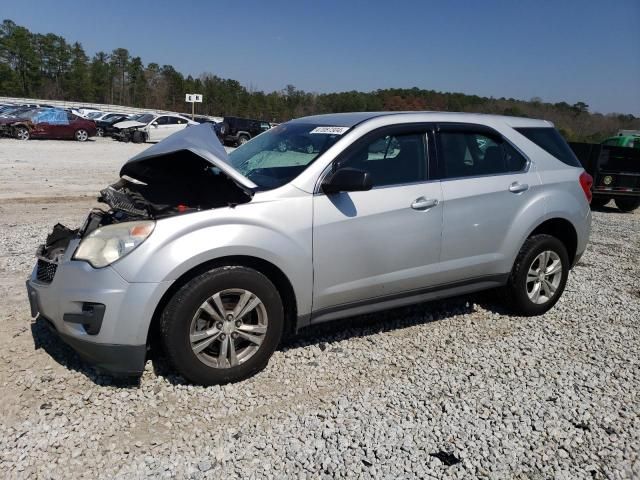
x=49, y=123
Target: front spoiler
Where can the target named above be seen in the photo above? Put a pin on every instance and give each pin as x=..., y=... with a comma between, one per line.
x=116, y=360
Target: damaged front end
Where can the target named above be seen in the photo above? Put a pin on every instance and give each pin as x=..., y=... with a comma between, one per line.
x=188, y=172
x=125, y=134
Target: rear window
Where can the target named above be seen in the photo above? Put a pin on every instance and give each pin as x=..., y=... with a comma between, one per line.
x=550, y=140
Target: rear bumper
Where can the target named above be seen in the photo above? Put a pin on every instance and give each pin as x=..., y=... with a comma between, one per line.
x=612, y=193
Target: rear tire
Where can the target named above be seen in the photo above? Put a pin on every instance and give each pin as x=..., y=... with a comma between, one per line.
x=539, y=275
x=203, y=311
x=599, y=202
x=242, y=139
x=81, y=135
x=627, y=204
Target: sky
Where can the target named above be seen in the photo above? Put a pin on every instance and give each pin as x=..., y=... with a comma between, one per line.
x=562, y=50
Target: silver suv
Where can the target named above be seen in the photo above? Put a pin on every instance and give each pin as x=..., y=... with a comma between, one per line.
x=219, y=256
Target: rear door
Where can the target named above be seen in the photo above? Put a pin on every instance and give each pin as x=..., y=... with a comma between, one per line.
x=368, y=246
x=486, y=182
x=67, y=129
x=56, y=123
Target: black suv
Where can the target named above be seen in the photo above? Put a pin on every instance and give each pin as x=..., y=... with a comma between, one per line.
x=238, y=131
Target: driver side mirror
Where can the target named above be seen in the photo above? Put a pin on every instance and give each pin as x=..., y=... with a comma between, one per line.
x=347, y=180
x=154, y=124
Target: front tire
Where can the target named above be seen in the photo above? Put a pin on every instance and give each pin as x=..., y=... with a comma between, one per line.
x=242, y=140
x=627, y=204
x=22, y=133
x=99, y=132
x=138, y=137
x=223, y=325
x=539, y=275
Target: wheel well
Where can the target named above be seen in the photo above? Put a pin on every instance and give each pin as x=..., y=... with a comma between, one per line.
x=273, y=273
x=564, y=231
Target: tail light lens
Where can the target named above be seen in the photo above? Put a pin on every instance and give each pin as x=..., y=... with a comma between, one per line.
x=586, y=181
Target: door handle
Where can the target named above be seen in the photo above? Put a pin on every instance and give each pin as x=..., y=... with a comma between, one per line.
x=422, y=203
x=517, y=187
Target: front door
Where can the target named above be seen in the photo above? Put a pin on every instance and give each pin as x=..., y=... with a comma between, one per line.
x=385, y=241
x=159, y=129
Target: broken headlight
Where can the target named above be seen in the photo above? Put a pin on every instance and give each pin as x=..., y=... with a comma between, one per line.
x=107, y=244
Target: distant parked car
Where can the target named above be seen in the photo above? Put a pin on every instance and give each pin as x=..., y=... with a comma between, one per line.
x=84, y=111
x=150, y=127
x=203, y=119
x=51, y=123
x=615, y=169
x=105, y=127
x=238, y=131
x=95, y=116
x=628, y=141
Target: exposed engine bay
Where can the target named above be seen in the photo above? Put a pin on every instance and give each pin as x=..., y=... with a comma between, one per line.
x=175, y=183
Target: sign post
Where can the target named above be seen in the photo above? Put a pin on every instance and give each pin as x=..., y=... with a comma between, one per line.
x=193, y=98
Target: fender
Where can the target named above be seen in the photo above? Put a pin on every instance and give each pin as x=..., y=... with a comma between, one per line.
x=561, y=203
x=242, y=132
x=179, y=244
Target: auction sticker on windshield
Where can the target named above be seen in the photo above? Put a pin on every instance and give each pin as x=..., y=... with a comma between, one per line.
x=330, y=130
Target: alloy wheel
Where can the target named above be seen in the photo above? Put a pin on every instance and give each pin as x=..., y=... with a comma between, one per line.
x=544, y=277
x=228, y=328
x=82, y=135
x=99, y=132
x=22, y=134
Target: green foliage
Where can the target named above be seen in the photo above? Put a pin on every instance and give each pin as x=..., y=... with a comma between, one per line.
x=46, y=66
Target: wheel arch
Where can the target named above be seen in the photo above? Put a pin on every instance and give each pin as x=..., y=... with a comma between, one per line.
x=268, y=269
x=16, y=125
x=563, y=230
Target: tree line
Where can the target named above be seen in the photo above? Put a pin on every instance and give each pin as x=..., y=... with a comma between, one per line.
x=36, y=65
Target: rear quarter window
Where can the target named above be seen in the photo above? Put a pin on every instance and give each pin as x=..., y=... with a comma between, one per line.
x=550, y=140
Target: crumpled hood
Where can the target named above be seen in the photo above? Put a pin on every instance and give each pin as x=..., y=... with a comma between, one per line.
x=200, y=140
x=129, y=124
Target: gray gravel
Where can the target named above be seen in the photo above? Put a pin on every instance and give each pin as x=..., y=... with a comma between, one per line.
x=453, y=389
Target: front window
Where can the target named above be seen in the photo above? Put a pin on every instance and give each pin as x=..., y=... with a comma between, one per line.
x=390, y=159
x=280, y=154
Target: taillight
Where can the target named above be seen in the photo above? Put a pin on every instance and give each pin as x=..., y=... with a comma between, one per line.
x=586, y=181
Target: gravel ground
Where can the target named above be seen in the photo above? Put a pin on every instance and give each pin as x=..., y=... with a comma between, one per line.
x=453, y=389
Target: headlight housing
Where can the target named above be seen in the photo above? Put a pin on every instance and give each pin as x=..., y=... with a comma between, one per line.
x=107, y=244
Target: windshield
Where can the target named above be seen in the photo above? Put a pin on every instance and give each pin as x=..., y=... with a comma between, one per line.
x=280, y=154
x=146, y=118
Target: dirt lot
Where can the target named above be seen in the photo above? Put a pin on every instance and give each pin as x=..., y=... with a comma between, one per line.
x=451, y=389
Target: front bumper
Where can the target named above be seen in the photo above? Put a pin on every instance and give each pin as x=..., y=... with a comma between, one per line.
x=98, y=313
